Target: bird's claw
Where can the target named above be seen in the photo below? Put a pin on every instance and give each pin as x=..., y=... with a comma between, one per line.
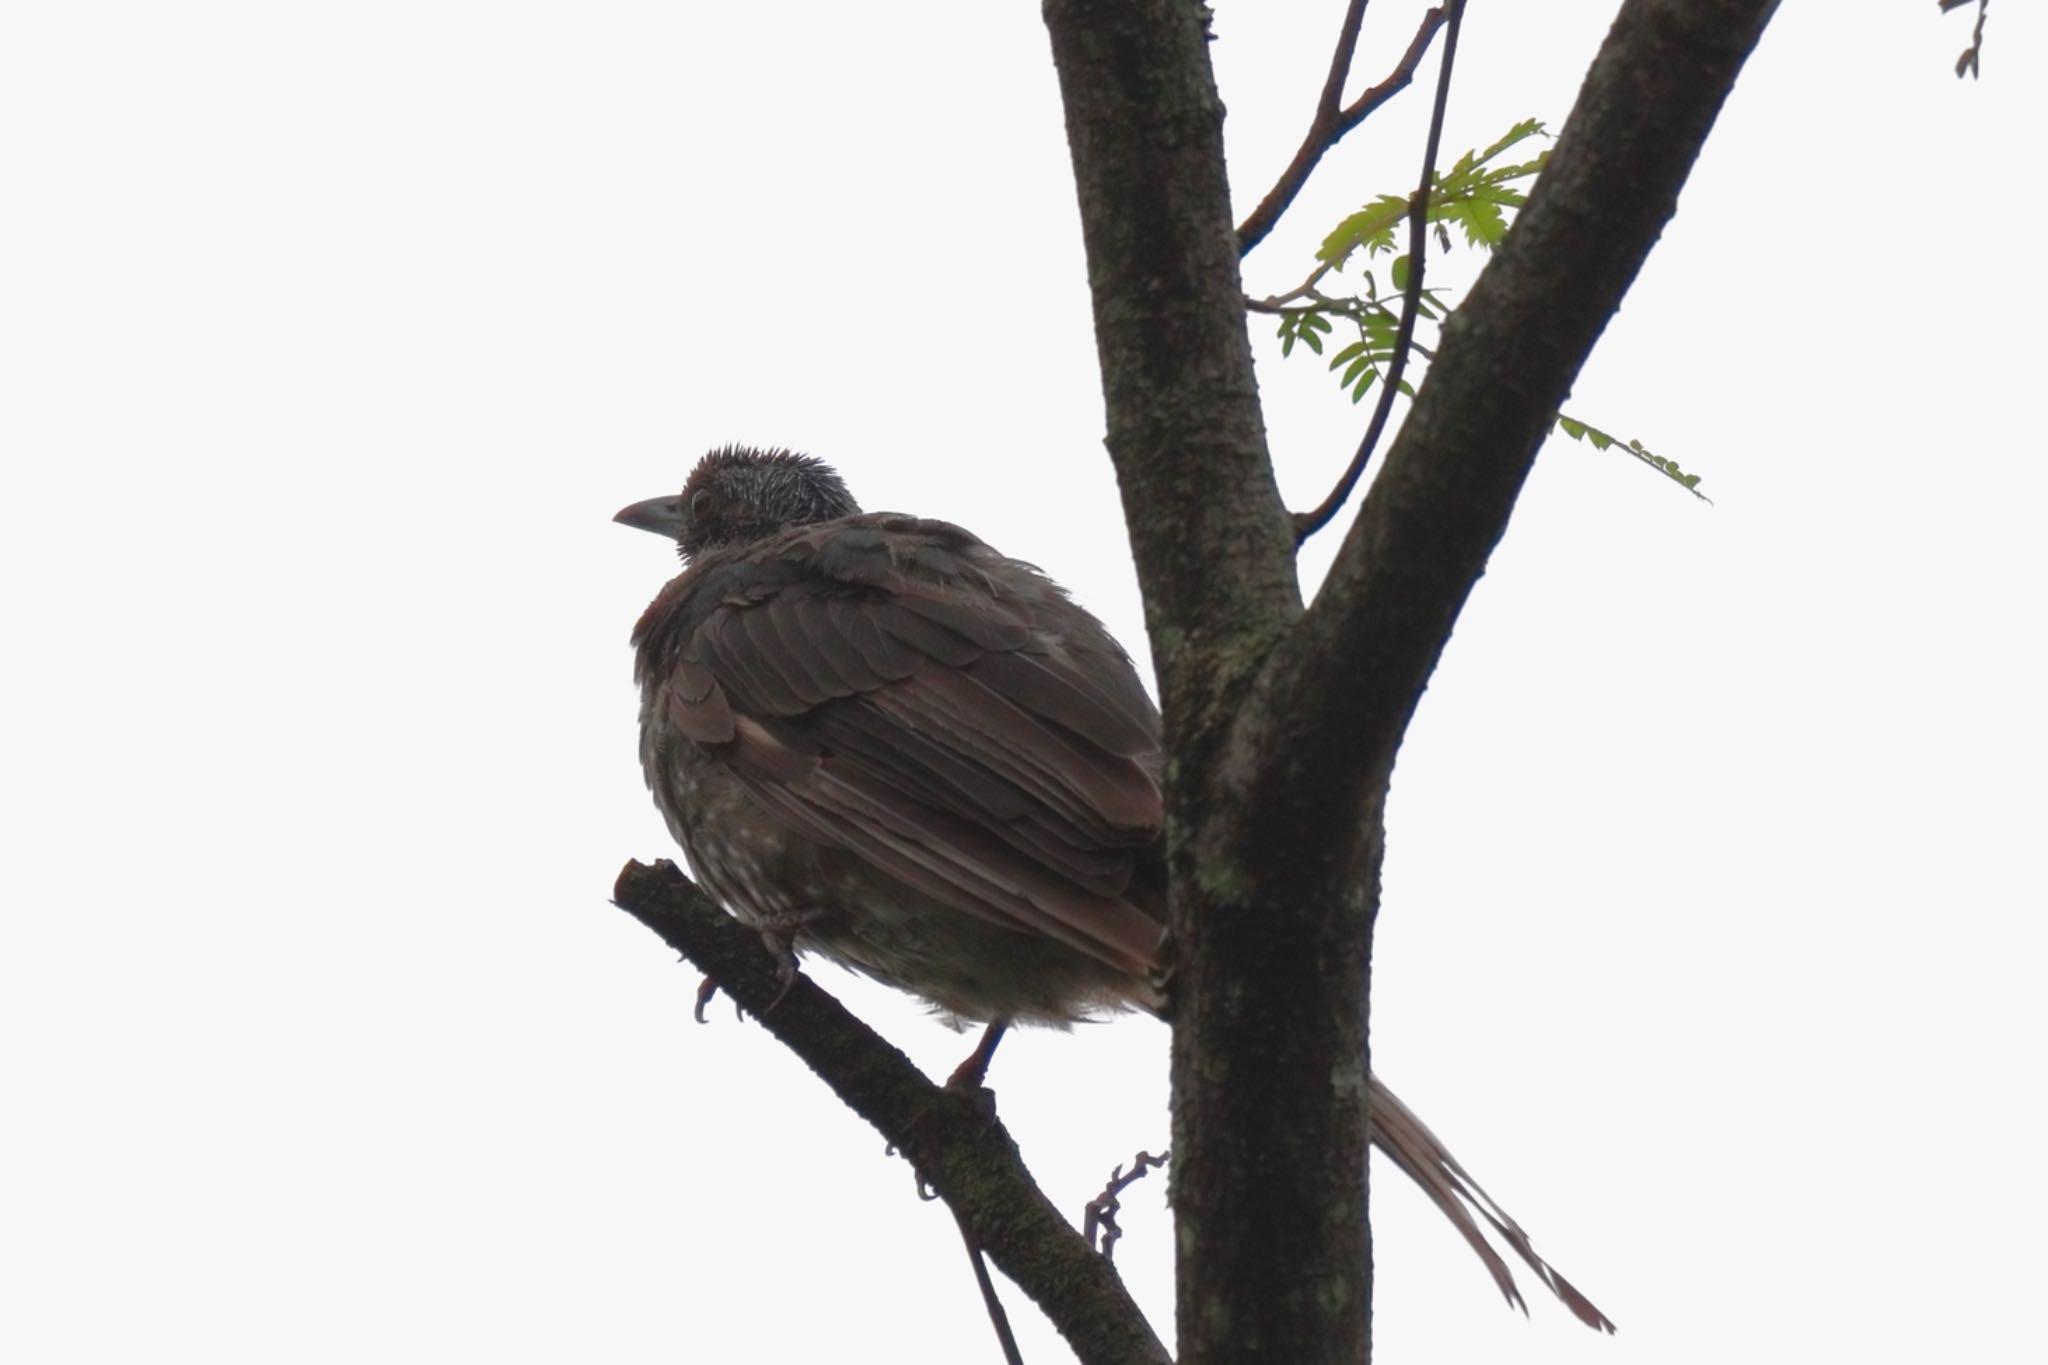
x=785, y=977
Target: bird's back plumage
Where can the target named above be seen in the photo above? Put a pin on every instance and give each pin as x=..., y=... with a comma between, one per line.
x=887, y=704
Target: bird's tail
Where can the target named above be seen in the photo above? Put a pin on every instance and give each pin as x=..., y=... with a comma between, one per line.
x=1417, y=1151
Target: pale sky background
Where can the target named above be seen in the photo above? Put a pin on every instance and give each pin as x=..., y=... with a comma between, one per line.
x=332, y=335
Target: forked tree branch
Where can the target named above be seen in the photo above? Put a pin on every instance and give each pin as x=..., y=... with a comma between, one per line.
x=1333, y=119
x=1339, y=694
x=1307, y=524
x=965, y=1155
x=1276, y=790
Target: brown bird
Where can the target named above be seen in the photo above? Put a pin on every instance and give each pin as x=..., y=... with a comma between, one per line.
x=879, y=740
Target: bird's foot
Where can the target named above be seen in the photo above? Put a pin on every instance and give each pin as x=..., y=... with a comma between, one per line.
x=970, y=1074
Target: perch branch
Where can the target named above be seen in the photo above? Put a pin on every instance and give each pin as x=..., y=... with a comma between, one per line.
x=951, y=1141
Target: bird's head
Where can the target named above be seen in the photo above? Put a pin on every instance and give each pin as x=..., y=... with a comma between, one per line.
x=737, y=495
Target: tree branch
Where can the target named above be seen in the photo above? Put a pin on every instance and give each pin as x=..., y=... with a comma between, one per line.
x=956, y=1147
x=1275, y=833
x=1308, y=523
x=1331, y=122
x=1507, y=360
x=1213, y=542
x=1269, y=1084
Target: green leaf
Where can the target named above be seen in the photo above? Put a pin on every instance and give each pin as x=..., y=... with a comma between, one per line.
x=1481, y=199
x=1483, y=222
x=1372, y=227
x=1600, y=440
x=1306, y=326
x=1454, y=197
x=1521, y=132
x=1289, y=331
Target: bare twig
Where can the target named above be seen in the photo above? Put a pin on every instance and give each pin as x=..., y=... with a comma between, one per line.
x=1273, y=303
x=1102, y=1209
x=997, y=1318
x=1307, y=524
x=1333, y=120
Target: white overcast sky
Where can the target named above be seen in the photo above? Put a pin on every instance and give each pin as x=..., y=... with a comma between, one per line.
x=332, y=335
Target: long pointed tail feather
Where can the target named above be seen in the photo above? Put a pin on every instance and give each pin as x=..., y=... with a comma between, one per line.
x=1416, y=1150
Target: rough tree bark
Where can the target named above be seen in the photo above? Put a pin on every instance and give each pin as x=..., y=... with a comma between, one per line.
x=1282, y=723
x=1283, y=727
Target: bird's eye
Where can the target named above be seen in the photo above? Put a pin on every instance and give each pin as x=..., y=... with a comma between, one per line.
x=700, y=502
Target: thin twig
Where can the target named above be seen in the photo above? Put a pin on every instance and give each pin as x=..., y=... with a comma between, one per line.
x=1332, y=120
x=1102, y=1209
x=1272, y=303
x=1307, y=524
x=997, y=1318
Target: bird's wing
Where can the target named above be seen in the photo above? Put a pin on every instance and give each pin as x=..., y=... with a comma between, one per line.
x=896, y=688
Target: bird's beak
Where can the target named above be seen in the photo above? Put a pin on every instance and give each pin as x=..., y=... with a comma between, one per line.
x=663, y=516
